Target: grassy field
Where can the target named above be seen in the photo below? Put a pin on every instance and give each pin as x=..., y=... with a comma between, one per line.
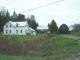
x=23, y=37
x=58, y=49
x=19, y=58
x=75, y=34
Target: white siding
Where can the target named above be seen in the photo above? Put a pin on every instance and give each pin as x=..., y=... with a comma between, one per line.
x=11, y=30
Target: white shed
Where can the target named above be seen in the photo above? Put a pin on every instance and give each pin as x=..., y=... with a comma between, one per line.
x=43, y=29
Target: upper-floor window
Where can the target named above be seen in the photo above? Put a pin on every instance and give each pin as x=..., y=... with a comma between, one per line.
x=17, y=24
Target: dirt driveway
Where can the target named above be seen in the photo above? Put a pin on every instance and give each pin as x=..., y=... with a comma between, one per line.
x=72, y=37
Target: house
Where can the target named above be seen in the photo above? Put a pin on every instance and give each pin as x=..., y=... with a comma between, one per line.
x=43, y=29
x=18, y=28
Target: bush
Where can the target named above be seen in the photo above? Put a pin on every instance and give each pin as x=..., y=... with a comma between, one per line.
x=64, y=29
x=11, y=46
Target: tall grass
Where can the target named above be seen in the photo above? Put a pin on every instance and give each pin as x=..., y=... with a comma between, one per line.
x=25, y=45
x=40, y=47
x=64, y=48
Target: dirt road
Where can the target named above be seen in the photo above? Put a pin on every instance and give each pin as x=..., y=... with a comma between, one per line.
x=72, y=37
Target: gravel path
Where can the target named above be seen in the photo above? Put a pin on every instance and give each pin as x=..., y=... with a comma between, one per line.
x=73, y=57
x=72, y=37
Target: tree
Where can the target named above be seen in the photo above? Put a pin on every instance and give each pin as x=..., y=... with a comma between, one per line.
x=76, y=28
x=64, y=29
x=53, y=27
x=4, y=17
x=32, y=22
x=19, y=17
x=14, y=14
x=7, y=16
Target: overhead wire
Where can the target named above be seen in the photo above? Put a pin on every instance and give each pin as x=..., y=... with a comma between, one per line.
x=43, y=6
x=8, y=3
x=33, y=8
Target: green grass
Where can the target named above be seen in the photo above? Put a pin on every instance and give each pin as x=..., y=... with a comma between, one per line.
x=75, y=33
x=61, y=47
x=26, y=37
x=22, y=37
x=5, y=57
x=67, y=45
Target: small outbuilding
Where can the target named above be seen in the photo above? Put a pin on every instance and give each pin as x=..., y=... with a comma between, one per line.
x=42, y=29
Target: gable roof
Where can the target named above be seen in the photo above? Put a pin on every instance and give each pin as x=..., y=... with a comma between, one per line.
x=22, y=23
x=31, y=29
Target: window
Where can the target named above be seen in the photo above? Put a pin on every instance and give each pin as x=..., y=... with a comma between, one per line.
x=16, y=31
x=21, y=31
x=10, y=31
x=6, y=31
x=17, y=24
x=10, y=26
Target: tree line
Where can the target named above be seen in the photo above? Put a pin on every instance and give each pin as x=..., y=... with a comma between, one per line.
x=53, y=28
x=63, y=29
x=5, y=17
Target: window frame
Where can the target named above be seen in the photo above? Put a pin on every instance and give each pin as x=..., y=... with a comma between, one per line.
x=17, y=24
x=17, y=31
x=10, y=26
x=21, y=31
x=6, y=31
x=10, y=31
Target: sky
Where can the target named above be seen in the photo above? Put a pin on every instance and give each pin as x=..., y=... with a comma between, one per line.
x=64, y=12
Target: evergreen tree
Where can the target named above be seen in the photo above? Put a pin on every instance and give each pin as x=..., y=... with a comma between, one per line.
x=7, y=16
x=32, y=22
x=20, y=17
x=14, y=14
x=4, y=17
x=53, y=27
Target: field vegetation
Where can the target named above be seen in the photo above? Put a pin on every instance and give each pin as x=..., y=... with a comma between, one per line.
x=76, y=33
x=40, y=47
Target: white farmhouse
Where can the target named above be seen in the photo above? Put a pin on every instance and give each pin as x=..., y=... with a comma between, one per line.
x=18, y=28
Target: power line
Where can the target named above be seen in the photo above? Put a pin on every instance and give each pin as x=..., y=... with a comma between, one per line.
x=9, y=2
x=42, y=6
x=2, y=1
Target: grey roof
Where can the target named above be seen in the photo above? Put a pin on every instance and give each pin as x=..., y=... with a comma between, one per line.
x=22, y=23
x=42, y=28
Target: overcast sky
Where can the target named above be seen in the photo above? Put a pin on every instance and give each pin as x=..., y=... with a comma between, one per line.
x=67, y=11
